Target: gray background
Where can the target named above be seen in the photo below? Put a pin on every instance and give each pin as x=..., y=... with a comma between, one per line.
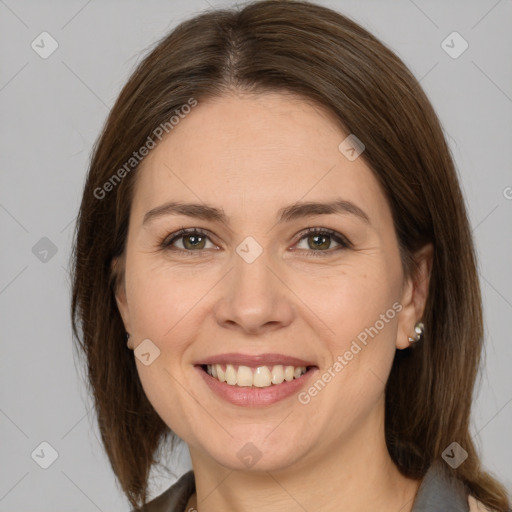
x=52, y=111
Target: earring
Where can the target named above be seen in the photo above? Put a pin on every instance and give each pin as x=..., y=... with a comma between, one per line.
x=128, y=340
x=418, y=333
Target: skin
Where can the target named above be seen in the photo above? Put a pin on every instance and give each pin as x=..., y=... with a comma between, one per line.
x=251, y=155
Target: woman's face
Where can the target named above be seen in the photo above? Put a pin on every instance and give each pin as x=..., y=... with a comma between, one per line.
x=255, y=283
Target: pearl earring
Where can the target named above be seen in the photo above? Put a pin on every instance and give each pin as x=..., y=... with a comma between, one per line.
x=418, y=333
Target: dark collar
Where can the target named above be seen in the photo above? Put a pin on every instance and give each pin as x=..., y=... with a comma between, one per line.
x=176, y=497
x=440, y=491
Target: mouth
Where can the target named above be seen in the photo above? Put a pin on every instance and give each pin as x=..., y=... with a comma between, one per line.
x=255, y=380
x=262, y=376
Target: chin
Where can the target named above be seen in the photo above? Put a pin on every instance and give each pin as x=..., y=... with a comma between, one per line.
x=257, y=455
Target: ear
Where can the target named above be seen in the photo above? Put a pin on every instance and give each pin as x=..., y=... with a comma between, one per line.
x=117, y=269
x=414, y=296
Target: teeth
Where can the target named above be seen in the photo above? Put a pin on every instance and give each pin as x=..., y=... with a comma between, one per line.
x=230, y=375
x=260, y=377
x=277, y=374
x=244, y=376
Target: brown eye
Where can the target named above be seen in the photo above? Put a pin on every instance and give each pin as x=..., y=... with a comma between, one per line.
x=187, y=240
x=193, y=241
x=320, y=240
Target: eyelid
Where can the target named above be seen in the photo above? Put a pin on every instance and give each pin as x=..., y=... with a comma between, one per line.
x=176, y=235
x=336, y=236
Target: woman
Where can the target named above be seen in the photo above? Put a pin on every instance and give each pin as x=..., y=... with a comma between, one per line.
x=273, y=221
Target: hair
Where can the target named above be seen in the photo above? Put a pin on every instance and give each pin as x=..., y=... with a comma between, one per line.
x=324, y=57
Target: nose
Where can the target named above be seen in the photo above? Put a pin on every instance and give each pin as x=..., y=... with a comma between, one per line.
x=255, y=298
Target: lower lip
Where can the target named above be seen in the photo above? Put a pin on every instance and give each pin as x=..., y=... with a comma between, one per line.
x=253, y=396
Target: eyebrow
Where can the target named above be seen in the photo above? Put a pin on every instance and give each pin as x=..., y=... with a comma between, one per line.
x=285, y=214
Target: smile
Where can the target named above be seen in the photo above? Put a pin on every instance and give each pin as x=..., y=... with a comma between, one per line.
x=261, y=391
x=260, y=377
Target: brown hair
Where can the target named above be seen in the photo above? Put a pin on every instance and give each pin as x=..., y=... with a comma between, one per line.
x=321, y=55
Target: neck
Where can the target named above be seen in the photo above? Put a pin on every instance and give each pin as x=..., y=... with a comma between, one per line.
x=356, y=474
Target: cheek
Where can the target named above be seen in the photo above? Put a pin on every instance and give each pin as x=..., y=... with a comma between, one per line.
x=351, y=387
x=360, y=307
x=160, y=297
x=354, y=300
x=166, y=395
x=162, y=308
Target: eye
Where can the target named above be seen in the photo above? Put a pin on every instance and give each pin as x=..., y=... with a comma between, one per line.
x=194, y=240
x=320, y=240
x=190, y=239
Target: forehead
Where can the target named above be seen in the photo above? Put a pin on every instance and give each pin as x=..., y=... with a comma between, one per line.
x=249, y=152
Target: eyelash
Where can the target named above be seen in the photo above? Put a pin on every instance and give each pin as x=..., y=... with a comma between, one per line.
x=166, y=243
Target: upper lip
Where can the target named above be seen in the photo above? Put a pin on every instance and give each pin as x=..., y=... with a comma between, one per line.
x=255, y=361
